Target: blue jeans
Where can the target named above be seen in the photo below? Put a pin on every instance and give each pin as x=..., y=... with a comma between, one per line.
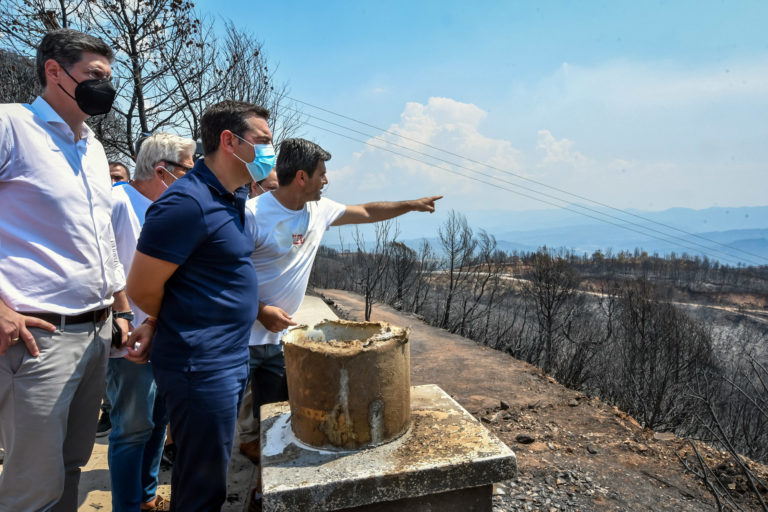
x=139, y=419
x=267, y=375
x=203, y=409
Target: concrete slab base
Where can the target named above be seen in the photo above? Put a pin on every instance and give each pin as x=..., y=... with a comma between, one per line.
x=446, y=457
x=474, y=499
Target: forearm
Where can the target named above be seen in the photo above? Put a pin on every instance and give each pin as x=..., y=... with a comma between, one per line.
x=148, y=303
x=146, y=282
x=385, y=210
x=120, y=301
x=147, y=298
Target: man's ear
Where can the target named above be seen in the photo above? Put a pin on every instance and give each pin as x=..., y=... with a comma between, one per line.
x=301, y=177
x=227, y=140
x=53, y=71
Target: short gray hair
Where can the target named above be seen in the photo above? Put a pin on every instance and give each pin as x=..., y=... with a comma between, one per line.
x=161, y=146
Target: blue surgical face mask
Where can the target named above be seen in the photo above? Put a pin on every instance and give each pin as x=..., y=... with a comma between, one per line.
x=264, y=161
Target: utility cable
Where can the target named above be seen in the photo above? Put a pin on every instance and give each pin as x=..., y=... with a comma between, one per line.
x=598, y=212
x=673, y=242
x=646, y=219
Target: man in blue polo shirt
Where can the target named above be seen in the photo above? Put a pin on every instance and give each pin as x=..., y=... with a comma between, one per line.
x=192, y=271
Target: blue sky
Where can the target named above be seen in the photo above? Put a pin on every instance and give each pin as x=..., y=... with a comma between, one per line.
x=644, y=105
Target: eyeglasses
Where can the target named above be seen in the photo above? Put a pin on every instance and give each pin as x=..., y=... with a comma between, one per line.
x=98, y=74
x=176, y=164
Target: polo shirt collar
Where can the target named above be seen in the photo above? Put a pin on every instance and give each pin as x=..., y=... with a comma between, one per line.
x=44, y=111
x=210, y=179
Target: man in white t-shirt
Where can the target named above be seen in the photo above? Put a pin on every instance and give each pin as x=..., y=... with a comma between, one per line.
x=119, y=173
x=138, y=415
x=247, y=423
x=287, y=226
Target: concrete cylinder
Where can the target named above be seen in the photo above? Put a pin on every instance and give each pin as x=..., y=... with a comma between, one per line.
x=349, y=383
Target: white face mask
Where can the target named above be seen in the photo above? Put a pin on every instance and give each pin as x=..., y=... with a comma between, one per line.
x=169, y=172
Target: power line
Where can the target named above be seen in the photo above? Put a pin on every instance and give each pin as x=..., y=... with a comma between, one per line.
x=646, y=219
x=672, y=241
x=676, y=240
x=695, y=235
x=649, y=229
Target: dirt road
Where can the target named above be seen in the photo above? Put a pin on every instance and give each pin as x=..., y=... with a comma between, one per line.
x=565, y=439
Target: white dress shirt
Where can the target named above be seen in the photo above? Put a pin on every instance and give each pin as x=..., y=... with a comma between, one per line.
x=129, y=207
x=57, y=246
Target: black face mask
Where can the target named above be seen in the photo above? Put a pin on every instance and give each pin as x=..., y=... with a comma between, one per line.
x=94, y=97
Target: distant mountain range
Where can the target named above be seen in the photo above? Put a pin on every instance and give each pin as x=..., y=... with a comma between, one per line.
x=744, y=230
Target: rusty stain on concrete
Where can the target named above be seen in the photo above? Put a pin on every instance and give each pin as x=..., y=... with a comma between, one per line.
x=348, y=382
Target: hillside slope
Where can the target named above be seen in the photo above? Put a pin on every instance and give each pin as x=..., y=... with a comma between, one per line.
x=574, y=452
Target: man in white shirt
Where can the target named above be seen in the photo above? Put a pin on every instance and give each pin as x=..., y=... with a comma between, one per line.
x=287, y=226
x=268, y=184
x=247, y=423
x=59, y=274
x=138, y=415
x=119, y=173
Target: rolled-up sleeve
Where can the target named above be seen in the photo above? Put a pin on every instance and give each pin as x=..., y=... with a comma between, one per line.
x=118, y=272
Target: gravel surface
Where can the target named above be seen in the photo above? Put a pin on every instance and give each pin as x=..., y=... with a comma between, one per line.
x=565, y=490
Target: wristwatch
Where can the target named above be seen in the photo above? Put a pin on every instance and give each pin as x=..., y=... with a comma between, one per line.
x=125, y=315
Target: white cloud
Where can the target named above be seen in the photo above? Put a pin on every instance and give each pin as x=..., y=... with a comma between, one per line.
x=428, y=139
x=633, y=135
x=558, y=151
x=649, y=134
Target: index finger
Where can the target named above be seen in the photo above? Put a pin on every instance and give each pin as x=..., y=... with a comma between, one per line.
x=288, y=319
x=435, y=198
x=29, y=341
x=33, y=321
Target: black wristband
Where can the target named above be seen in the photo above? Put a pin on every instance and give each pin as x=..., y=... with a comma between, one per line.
x=125, y=315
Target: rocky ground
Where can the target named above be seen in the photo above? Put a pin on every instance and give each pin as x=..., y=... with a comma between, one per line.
x=574, y=452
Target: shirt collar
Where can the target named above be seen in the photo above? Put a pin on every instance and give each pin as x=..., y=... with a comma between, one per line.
x=210, y=179
x=44, y=111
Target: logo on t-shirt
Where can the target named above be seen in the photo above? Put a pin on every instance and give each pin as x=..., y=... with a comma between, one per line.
x=298, y=239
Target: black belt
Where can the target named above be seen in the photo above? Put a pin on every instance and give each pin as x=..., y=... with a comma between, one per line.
x=97, y=315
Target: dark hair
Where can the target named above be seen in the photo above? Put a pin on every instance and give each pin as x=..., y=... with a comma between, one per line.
x=66, y=47
x=121, y=164
x=298, y=154
x=226, y=115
